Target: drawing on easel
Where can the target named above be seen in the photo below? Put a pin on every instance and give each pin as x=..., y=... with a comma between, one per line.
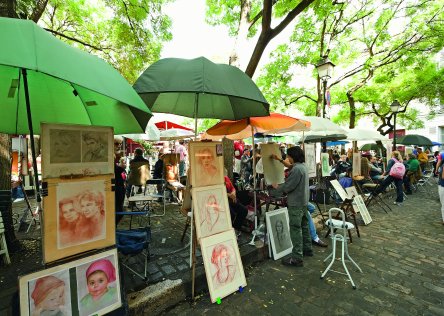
x=273, y=169
x=310, y=159
x=278, y=226
x=207, y=168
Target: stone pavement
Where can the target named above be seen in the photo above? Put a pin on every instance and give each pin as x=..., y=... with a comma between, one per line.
x=401, y=255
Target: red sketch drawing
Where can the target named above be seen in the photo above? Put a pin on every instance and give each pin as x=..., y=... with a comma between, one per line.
x=81, y=216
x=224, y=264
x=206, y=167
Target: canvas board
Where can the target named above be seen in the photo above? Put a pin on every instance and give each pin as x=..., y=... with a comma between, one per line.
x=351, y=192
x=171, y=167
x=339, y=189
x=325, y=167
x=79, y=216
x=356, y=164
x=206, y=162
x=211, y=210
x=278, y=228
x=310, y=159
x=223, y=264
x=360, y=207
x=273, y=169
x=61, y=288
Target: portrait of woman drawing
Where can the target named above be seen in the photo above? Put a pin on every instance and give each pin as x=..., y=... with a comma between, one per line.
x=68, y=220
x=207, y=167
x=224, y=265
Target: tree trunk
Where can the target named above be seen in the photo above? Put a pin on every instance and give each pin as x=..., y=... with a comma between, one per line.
x=228, y=146
x=5, y=185
x=242, y=33
x=351, y=103
x=7, y=8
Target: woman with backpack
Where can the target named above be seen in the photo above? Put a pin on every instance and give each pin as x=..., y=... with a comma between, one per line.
x=394, y=173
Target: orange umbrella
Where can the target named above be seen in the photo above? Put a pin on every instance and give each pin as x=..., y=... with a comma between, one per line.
x=246, y=127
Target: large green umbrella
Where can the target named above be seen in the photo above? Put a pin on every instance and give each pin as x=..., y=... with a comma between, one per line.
x=199, y=88
x=369, y=146
x=414, y=139
x=43, y=79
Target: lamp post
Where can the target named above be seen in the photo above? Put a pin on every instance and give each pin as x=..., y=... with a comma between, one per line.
x=325, y=72
x=394, y=107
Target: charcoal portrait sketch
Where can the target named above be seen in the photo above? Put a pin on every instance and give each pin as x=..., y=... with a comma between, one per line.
x=212, y=213
x=278, y=226
x=94, y=147
x=64, y=146
x=223, y=265
x=81, y=213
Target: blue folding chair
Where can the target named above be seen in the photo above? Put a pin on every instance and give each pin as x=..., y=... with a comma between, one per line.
x=134, y=242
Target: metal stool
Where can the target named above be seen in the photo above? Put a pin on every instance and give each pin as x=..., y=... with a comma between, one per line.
x=342, y=226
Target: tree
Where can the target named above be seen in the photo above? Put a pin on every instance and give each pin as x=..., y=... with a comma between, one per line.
x=126, y=33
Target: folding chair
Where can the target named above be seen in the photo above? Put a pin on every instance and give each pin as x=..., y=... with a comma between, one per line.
x=342, y=226
x=132, y=243
x=3, y=246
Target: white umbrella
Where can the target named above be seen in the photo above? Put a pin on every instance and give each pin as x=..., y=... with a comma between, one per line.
x=358, y=134
x=175, y=133
x=152, y=133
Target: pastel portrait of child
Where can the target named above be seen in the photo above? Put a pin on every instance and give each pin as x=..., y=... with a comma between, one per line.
x=48, y=297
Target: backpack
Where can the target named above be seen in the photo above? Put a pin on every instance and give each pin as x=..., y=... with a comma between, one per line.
x=398, y=170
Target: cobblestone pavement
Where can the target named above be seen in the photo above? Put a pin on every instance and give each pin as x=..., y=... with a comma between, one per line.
x=401, y=254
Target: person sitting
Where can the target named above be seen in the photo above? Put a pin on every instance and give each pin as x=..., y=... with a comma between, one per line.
x=139, y=169
x=246, y=166
x=237, y=210
x=423, y=158
x=413, y=173
x=342, y=166
x=158, y=173
x=315, y=240
x=375, y=169
x=119, y=196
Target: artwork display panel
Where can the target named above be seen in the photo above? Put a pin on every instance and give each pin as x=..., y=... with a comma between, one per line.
x=79, y=216
x=278, y=227
x=356, y=164
x=223, y=264
x=351, y=192
x=60, y=290
x=207, y=165
x=325, y=164
x=339, y=189
x=310, y=159
x=273, y=169
x=211, y=210
x=76, y=150
x=360, y=207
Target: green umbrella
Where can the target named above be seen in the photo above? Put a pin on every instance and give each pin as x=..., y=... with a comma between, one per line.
x=43, y=79
x=414, y=139
x=199, y=88
x=323, y=138
x=368, y=147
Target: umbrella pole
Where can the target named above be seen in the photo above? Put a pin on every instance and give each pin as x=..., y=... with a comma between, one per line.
x=31, y=134
x=254, y=178
x=195, y=116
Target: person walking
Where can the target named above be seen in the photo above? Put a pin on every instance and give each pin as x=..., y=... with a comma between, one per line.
x=441, y=188
x=297, y=191
x=183, y=156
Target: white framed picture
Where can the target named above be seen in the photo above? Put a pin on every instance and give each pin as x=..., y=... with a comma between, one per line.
x=325, y=166
x=278, y=228
x=59, y=290
x=223, y=264
x=211, y=210
x=310, y=159
x=360, y=207
x=207, y=164
x=76, y=150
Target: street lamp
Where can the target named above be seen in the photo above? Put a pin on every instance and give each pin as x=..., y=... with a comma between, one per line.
x=394, y=107
x=325, y=72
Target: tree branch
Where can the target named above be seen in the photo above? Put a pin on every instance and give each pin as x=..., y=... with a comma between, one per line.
x=77, y=40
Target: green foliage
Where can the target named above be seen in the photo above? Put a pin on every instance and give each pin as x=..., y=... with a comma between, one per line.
x=148, y=147
x=202, y=124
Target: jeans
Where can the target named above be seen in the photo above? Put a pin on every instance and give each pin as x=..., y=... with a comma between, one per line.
x=313, y=234
x=299, y=233
x=398, y=183
x=182, y=168
x=441, y=198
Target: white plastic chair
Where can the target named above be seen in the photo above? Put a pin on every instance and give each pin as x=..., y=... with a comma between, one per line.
x=3, y=246
x=338, y=232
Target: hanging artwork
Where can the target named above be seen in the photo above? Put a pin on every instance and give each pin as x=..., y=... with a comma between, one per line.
x=278, y=228
x=356, y=164
x=76, y=150
x=273, y=169
x=206, y=164
x=223, y=265
x=88, y=286
x=325, y=164
x=310, y=159
x=211, y=210
x=79, y=216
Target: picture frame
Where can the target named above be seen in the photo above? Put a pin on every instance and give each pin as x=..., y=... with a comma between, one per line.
x=325, y=165
x=356, y=164
x=351, y=192
x=360, y=207
x=310, y=159
x=207, y=168
x=339, y=189
x=57, y=288
x=278, y=228
x=273, y=169
x=223, y=264
x=78, y=216
x=211, y=210
x=76, y=150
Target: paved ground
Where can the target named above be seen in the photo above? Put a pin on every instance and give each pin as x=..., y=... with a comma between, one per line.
x=401, y=255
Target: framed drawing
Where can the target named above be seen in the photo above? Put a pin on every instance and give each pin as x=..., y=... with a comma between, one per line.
x=98, y=285
x=273, y=169
x=61, y=290
x=223, y=265
x=76, y=150
x=211, y=210
x=78, y=216
x=207, y=168
x=325, y=164
x=278, y=228
x=310, y=159
x=360, y=207
x=351, y=192
x=339, y=189
x=356, y=164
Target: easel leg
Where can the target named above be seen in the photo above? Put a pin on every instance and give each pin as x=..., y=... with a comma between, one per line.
x=193, y=268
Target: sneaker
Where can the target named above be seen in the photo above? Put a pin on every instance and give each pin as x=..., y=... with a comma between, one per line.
x=397, y=203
